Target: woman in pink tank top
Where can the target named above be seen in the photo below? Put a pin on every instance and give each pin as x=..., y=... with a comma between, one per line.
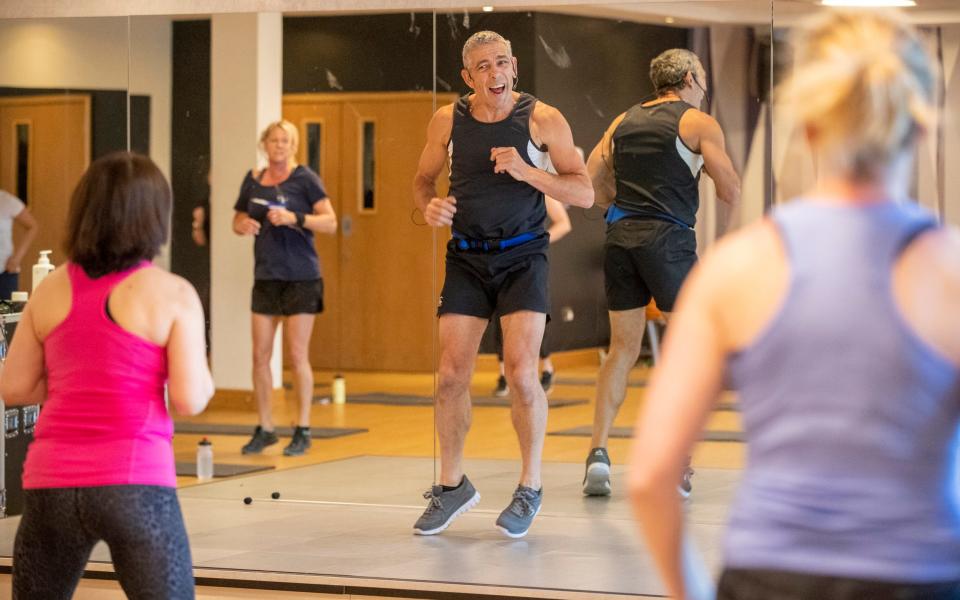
x=97, y=343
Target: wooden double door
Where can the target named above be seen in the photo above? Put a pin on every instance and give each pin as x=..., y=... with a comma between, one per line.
x=44, y=150
x=379, y=269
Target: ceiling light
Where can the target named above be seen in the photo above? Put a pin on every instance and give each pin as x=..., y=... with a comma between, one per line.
x=869, y=3
x=487, y=9
x=669, y=20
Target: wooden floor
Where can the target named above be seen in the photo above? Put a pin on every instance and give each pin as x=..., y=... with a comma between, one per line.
x=408, y=431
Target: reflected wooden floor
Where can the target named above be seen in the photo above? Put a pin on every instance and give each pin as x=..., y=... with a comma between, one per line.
x=408, y=430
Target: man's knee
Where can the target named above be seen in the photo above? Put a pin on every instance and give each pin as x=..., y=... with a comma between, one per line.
x=453, y=378
x=522, y=379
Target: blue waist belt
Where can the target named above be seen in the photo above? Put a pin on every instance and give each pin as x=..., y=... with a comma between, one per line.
x=492, y=245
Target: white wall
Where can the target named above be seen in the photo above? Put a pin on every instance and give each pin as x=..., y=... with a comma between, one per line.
x=246, y=79
x=109, y=53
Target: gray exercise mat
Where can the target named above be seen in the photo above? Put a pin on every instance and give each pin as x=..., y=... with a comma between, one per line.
x=189, y=469
x=719, y=435
x=412, y=400
x=592, y=381
x=228, y=429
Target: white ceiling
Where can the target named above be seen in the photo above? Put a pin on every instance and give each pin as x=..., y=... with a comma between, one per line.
x=683, y=12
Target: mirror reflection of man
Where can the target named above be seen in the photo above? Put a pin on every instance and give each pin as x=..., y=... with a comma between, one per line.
x=498, y=142
x=13, y=211
x=646, y=170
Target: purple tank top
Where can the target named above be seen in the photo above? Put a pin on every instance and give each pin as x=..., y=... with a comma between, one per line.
x=851, y=419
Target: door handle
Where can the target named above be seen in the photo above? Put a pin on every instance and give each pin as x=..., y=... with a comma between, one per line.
x=346, y=225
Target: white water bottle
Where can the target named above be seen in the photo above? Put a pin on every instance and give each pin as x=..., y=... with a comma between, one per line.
x=339, y=389
x=43, y=268
x=204, y=460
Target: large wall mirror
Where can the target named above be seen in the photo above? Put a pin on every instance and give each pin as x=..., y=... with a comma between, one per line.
x=194, y=91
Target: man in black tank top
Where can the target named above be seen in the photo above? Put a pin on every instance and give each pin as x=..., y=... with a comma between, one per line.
x=646, y=170
x=496, y=141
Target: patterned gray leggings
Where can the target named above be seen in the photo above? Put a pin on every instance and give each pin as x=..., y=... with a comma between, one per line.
x=141, y=524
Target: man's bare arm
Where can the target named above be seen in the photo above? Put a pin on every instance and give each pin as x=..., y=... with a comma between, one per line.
x=716, y=162
x=600, y=167
x=571, y=184
x=437, y=211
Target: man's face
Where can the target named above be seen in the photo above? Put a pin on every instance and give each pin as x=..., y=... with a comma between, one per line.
x=490, y=72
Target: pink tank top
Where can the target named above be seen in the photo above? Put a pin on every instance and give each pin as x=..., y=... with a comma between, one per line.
x=104, y=421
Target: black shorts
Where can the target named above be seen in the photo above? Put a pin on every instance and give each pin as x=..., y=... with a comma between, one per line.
x=762, y=584
x=644, y=258
x=284, y=298
x=479, y=284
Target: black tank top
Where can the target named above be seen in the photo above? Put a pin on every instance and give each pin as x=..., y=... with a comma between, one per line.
x=493, y=205
x=657, y=175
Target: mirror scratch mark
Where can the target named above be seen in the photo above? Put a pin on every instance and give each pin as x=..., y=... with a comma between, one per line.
x=414, y=28
x=594, y=106
x=559, y=57
x=332, y=81
x=452, y=24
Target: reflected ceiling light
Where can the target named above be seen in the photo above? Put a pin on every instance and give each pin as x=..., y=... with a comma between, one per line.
x=869, y=3
x=487, y=9
x=669, y=20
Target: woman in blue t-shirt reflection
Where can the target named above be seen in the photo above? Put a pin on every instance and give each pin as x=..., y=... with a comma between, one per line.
x=282, y=206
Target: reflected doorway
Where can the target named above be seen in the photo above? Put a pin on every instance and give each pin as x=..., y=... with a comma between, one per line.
x=44, y=150
x=378, y=270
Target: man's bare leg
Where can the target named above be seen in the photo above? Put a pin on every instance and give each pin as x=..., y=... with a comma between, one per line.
x=522, y=335
x=626, y=335
x=460, y=337
x=453, y=494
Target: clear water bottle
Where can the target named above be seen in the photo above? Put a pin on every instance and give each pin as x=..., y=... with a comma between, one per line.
x=204, y=460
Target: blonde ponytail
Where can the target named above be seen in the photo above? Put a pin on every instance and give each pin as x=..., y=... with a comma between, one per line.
x=864, y=83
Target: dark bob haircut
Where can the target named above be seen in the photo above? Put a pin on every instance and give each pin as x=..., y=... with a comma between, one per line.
x=119, y=214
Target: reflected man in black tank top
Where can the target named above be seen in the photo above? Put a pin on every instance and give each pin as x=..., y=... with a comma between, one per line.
x=497, y=142
x=646, y=171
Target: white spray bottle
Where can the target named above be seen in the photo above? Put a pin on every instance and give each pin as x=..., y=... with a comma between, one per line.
x=43, y=268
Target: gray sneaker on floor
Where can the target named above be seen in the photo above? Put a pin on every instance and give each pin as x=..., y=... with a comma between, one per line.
x=260, y=440
x=515, y=520
x=445, y=506
x=596, y=480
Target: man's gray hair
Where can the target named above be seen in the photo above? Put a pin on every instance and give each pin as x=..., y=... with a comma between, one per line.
x=668, y=70
x=482, y=38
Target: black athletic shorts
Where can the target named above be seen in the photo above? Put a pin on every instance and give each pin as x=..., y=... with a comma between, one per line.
x=762, y=584
x=478, y=284
x=644, y=258
x=284, y=298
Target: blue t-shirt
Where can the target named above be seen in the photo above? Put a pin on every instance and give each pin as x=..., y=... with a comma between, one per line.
x=283, y=253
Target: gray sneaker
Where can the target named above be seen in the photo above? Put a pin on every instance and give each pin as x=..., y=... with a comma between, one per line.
x=515, y=520
x=445, y=506
x=596, y=480
x=260, y=440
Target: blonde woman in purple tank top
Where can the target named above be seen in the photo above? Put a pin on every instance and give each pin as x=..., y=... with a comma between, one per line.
x=836, y=321
x=97, y=342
